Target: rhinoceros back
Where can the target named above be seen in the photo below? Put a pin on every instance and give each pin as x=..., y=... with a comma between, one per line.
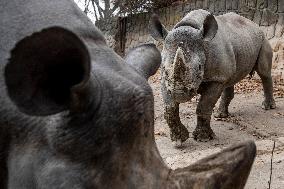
x=240, y=30
x=233, y=52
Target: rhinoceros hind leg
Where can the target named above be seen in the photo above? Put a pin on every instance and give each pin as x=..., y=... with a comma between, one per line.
x=226, y=98
x=269, y=102
x=264, y=64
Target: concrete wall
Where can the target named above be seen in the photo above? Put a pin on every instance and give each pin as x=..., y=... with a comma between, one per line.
x=269, y=14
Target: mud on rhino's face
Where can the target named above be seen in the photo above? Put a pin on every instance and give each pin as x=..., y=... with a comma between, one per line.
x=183, y=56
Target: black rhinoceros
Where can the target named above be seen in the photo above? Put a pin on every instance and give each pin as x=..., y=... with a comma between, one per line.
x=208, y=55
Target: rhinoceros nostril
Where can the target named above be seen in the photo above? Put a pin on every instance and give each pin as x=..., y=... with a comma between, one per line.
x=191, y=91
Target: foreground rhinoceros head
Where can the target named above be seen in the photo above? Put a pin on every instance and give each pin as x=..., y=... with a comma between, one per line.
x=76, y=115
x=183, y=57
x=105, y=102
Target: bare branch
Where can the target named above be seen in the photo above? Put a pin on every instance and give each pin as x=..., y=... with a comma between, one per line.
x=96, y=6
x=86, y=10
x=104, y=9
x=271, y=163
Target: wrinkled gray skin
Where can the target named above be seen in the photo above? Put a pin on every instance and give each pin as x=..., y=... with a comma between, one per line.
x=74, y=114
x=207, y=55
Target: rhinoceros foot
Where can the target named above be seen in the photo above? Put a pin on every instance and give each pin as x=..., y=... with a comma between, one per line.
x=268, y=104
x=221, y=114
x=179, y=135
x=203, y=134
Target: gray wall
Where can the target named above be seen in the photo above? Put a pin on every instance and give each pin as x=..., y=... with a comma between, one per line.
x=269, y=14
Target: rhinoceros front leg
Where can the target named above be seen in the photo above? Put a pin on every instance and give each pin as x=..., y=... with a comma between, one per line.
x=178, y=131
x=226, y=98
x=210, y=93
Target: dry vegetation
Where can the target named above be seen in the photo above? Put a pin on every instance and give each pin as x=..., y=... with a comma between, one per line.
x=249, y=85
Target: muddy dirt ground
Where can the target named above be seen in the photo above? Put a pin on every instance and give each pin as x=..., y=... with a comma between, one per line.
x=247, y=121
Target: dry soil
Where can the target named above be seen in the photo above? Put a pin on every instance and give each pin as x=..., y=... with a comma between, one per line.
x=247, y=121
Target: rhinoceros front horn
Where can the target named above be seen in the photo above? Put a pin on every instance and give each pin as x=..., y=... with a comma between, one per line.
x=228, y=169
x=179, y=62
x=46, y=70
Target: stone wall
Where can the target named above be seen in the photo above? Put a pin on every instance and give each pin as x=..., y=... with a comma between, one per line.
x=269, y=14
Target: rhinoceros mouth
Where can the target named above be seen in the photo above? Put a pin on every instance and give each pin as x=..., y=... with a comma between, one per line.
x=183, y=95
x=181, y=98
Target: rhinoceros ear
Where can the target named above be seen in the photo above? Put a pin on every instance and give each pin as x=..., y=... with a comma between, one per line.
x=210, y=27
x=228, y=169
x=157, y=29
x=146, y=59
x=43, y=70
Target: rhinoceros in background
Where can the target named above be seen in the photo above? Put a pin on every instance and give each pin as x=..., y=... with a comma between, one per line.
x=74, y=114
x=207, y=55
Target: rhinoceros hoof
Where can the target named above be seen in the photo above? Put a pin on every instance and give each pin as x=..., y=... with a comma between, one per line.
x=178, y=143
x=203, y=135
x=266, y=105
x=221, y=114
x=179, y=135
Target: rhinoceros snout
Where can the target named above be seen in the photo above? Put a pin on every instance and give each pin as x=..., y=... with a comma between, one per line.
x=184, y=95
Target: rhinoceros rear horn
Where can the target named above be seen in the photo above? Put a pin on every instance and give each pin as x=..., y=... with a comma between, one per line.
x=43, y=70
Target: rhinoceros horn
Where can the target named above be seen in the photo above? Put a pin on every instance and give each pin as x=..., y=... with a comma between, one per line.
x=179, y=62
x=228, y=169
